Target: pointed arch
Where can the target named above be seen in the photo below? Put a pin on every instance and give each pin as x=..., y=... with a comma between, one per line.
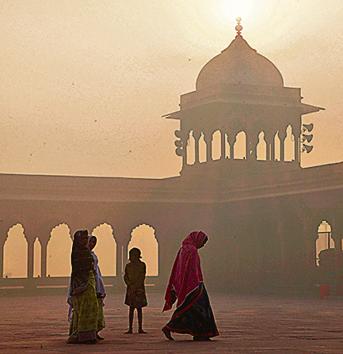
x=143, y=237
x=58, y=251
x=289, y=144
x=15, y=253
x=216, y=145
x=261, y=148
x=240, y=145
x=324, y=240
x=106, y=249
x=190, y=149
x=202, y=149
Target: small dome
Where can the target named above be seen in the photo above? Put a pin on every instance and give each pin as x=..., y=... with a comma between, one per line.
x=239, y=64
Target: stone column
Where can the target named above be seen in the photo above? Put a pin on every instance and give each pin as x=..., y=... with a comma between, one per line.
x=231, y=139
x=338, y=242
x=247, y=146
x=184, y=147
x=272, y=148
x=196, y=136
x=336, y=227
x=310, y=234
x=44, y=247
x=222, y=145
x=267, y=139
x=296, y=133
x=123, y=236
x=2, y=244
x=208, y=140
x=30, y=258
x=254, y=144
x=121, y=259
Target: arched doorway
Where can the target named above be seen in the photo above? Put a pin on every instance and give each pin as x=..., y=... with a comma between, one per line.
x=15, y=253
x=106, y=249
x=261, y=147
x=289, y=144
x=324, y=240
x=144, y=238
x=202, y=149
x=59, y=251
x=190, y=149
x=216, y=145
x=240, y=146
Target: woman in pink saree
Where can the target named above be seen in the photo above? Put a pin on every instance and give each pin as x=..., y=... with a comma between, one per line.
x=193, y=314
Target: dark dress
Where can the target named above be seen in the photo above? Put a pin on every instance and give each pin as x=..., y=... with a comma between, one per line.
x=134, y=279
x=194, y=316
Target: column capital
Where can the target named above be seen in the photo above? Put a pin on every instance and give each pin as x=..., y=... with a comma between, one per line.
x=196, y=134
x=282, y=134
x=231, y=136
x=208, y=136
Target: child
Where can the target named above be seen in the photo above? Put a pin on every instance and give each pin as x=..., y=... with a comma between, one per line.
x=135, y=293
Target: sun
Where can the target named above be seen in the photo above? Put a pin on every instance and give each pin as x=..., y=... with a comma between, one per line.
x=229, y=9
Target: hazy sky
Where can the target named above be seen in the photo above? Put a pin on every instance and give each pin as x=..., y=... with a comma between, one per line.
x=83, y=84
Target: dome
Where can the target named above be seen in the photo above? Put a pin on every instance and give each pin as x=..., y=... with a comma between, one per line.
x=239, y=64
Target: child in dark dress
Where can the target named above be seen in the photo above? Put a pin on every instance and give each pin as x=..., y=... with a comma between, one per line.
x=135, y=293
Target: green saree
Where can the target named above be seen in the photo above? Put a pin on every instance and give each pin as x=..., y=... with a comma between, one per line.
x=87, y=317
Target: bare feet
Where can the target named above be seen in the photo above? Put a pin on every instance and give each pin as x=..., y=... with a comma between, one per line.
x=167, y=333
x=99, y=337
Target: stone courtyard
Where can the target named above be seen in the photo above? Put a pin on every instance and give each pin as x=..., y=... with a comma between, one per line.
x=248, y=324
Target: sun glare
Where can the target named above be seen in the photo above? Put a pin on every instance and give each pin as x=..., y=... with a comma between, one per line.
x=229, y=10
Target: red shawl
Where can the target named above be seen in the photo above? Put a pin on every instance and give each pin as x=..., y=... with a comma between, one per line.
x=186, y=274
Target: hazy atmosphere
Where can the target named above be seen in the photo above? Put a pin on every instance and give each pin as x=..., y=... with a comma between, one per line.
x=171, y=176
x=83, y=84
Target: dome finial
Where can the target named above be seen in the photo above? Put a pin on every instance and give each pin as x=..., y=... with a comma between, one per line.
x=238, y=27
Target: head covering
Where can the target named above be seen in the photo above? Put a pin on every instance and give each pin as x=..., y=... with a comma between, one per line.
x=81, y=262
x=134, y=254
x=186, y=274
x=91, y=238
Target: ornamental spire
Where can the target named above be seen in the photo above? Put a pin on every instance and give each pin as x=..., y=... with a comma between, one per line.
x=238, y=27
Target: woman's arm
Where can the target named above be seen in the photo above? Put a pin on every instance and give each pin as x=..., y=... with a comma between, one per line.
x=126, y=277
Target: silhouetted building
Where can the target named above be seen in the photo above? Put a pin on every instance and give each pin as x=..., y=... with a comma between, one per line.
x=239, y=182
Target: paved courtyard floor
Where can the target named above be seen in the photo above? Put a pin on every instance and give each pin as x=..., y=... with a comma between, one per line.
x=248, y=324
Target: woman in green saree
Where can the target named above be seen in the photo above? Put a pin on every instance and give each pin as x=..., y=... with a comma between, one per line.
x=84, y=323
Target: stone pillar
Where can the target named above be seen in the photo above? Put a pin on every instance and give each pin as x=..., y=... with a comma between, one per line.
x=208, y=140
x=30, y=258
x=310, y=234
x=336, y=227
x=196, y=136
x=44, y=247
x=184, y=146
x=272, y=148
x=231, y=139
x=296, y=133
x=2, y=244
x=338, y=242
x=222, y=145
x=247, y=146
x=267, y=139
x=254, y=144
x=122, y=257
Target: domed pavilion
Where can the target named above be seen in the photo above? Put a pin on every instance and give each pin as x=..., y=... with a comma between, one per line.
x=240, y=91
